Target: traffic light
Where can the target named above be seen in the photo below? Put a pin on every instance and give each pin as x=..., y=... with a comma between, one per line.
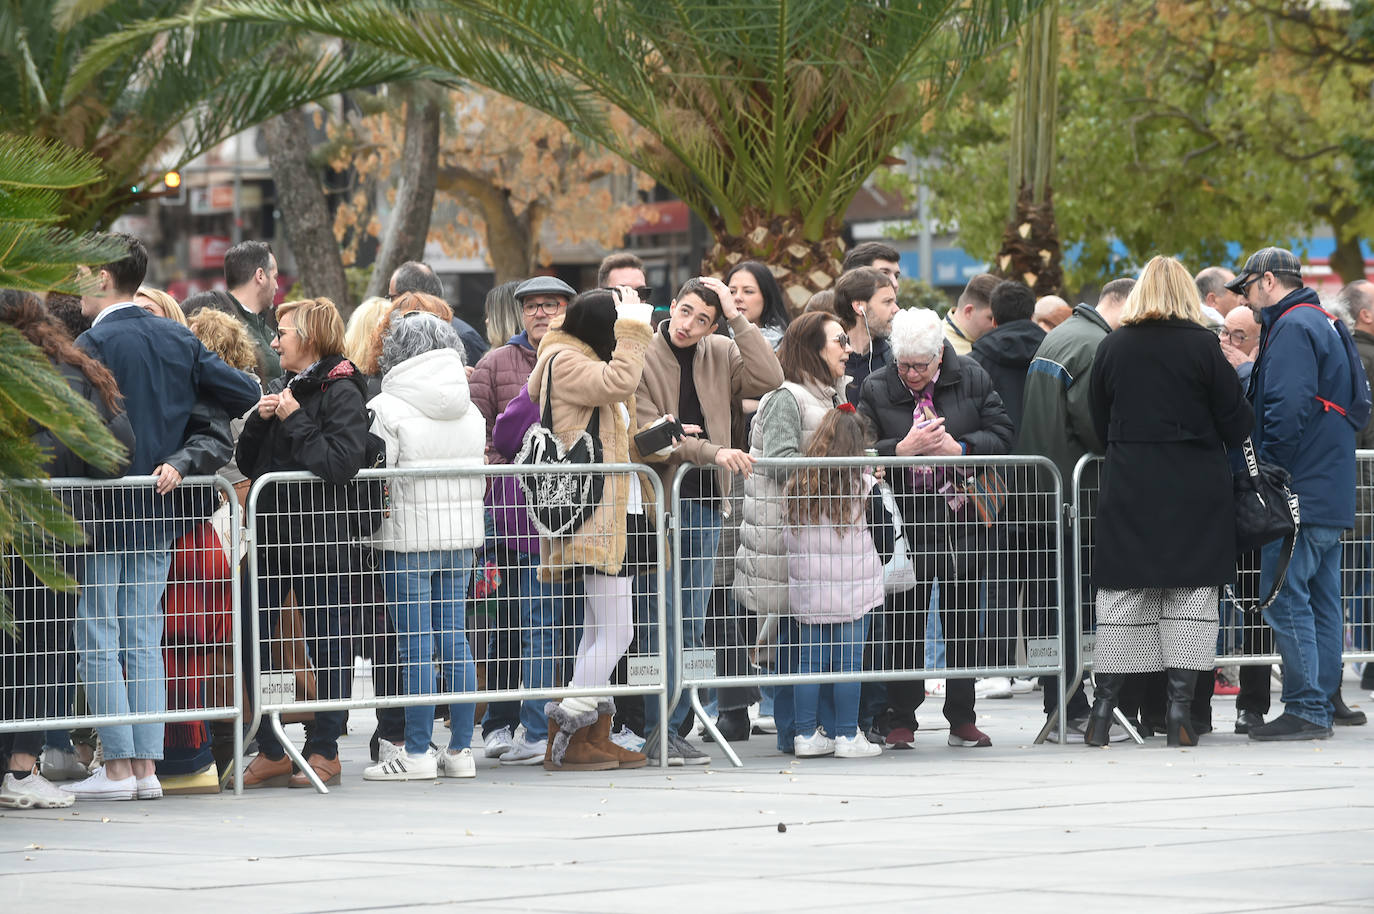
x=173, y=191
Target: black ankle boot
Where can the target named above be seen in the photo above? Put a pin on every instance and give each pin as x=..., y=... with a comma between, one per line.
x=1178, y=721
x=1343, y=715
x=1106, y=690
x=733, y=725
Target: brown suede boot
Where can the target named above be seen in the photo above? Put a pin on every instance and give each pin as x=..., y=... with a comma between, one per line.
x=601, y=739
x=569, y=748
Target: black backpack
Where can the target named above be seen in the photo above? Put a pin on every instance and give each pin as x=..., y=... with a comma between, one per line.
x=559, y=503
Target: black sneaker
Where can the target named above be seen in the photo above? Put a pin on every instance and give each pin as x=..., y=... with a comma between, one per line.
x=1248, y=720
x=1287, y=727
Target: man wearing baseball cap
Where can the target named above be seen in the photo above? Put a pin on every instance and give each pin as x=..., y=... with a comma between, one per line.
x=1310, y=396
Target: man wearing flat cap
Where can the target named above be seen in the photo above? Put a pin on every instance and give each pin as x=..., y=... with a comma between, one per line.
x=1310, y=397
x=527, y=627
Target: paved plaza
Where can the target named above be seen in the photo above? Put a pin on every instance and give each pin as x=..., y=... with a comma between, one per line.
x=1230, y=826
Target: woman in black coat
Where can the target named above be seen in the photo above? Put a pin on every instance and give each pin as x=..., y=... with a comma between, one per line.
x=1168, y=405
x=312, y=418
x=960, y=414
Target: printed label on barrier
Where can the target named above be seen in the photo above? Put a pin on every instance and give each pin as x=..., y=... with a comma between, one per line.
x=643, y=671
x=277, y=688
x=1042, y=652
x=698, y=663
x=1087, y=645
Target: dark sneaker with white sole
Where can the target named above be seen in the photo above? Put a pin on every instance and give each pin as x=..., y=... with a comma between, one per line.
x=1288, y=727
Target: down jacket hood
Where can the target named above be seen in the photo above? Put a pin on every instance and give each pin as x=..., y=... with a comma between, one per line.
x=1012, y=344
x=434, y=383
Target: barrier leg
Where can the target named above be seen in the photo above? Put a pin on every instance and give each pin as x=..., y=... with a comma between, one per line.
x=295, y=754
x=710, y=726
x=238, y=755
x=663, y=711
x=1125, y=722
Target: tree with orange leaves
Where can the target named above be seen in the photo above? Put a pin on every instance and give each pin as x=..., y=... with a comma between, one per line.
x=508, y=178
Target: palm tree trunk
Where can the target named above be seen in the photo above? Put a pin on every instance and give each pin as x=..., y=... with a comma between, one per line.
x=802, y=267
x=1030, y=245
x=300, y=197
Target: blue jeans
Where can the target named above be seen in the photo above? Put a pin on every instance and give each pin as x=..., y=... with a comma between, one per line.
x=700, y=536
x=119, y=624
x=835, y=647
x=424, y=596
x=1307, y=621
x=784, y=696
x=550, y=614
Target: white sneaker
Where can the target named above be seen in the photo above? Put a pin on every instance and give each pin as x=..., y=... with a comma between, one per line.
x=1074, y=729
x=628, y=739
x=525, y=751
x=99, y=786
x=62, y=765
x=856, y=746
x=459, y=764
x=387, y=751
x=403, y=767
x=813, y=746
x=1021, y=686
x=993, y=687
x=499, y=742
x=149, y=788
x=33, y=792
x=765, y=725
x=935, y=688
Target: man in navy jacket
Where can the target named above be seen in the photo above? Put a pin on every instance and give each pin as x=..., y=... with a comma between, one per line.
x=162, y=370
x=1310, y=396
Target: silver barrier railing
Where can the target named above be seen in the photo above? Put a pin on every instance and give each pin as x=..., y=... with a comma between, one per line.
x=371, y=589
x=150, y=636
x=989, y=530
x=1237, y=628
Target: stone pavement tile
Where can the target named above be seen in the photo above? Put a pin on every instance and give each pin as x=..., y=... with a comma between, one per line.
x=1276, y=884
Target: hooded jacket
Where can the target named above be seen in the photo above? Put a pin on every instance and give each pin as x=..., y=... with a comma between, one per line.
x=1005, y=354
x=1310, y=396
x=427, y=419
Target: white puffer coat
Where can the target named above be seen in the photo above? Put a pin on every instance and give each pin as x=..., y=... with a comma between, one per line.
x=427, y=419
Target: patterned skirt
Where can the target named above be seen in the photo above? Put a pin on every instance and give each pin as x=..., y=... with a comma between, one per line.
x=1152, y=629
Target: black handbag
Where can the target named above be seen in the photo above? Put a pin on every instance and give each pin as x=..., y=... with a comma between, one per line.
x=559, y=503
x=1266, y=510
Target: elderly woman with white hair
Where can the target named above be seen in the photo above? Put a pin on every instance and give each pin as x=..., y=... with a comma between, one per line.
x=931, y=402
x=427, y=540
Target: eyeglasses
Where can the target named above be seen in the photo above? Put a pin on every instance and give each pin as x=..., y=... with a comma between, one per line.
x=1245, y=286
x=548, y=307
x=1237, y=337
x=915, y=367
x=842, y=339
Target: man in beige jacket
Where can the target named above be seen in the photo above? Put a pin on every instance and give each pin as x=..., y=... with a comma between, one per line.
x=698, y=376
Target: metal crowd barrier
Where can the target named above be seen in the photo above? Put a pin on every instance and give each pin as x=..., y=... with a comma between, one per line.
x=149, y=641
x=449, y=587
x=989, y=530
x=1246, y=639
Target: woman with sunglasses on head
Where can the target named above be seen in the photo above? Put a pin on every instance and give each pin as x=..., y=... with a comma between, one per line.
x=813, y=355
x=932, y=402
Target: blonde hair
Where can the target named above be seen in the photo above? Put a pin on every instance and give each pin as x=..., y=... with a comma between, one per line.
x=318, y=324
x=164, y=300
x=406, y=301
x=361, y=323
x=1165, y=290
x=223, y=335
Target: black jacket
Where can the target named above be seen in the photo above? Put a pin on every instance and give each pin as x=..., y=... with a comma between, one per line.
x=964, y=395
x=1168, y=405
x=327, y=436
x=1005, y=354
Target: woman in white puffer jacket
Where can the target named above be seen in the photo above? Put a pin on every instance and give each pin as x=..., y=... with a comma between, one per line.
x=428, y=538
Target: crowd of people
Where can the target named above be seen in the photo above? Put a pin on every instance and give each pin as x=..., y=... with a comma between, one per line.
x=448, y=575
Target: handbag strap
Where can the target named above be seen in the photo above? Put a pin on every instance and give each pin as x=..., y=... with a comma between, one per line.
x=546, y=415
x=1251, y=463
x=1280, y=573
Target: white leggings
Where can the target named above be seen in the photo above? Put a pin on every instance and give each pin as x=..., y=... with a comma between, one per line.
x=606, y=631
